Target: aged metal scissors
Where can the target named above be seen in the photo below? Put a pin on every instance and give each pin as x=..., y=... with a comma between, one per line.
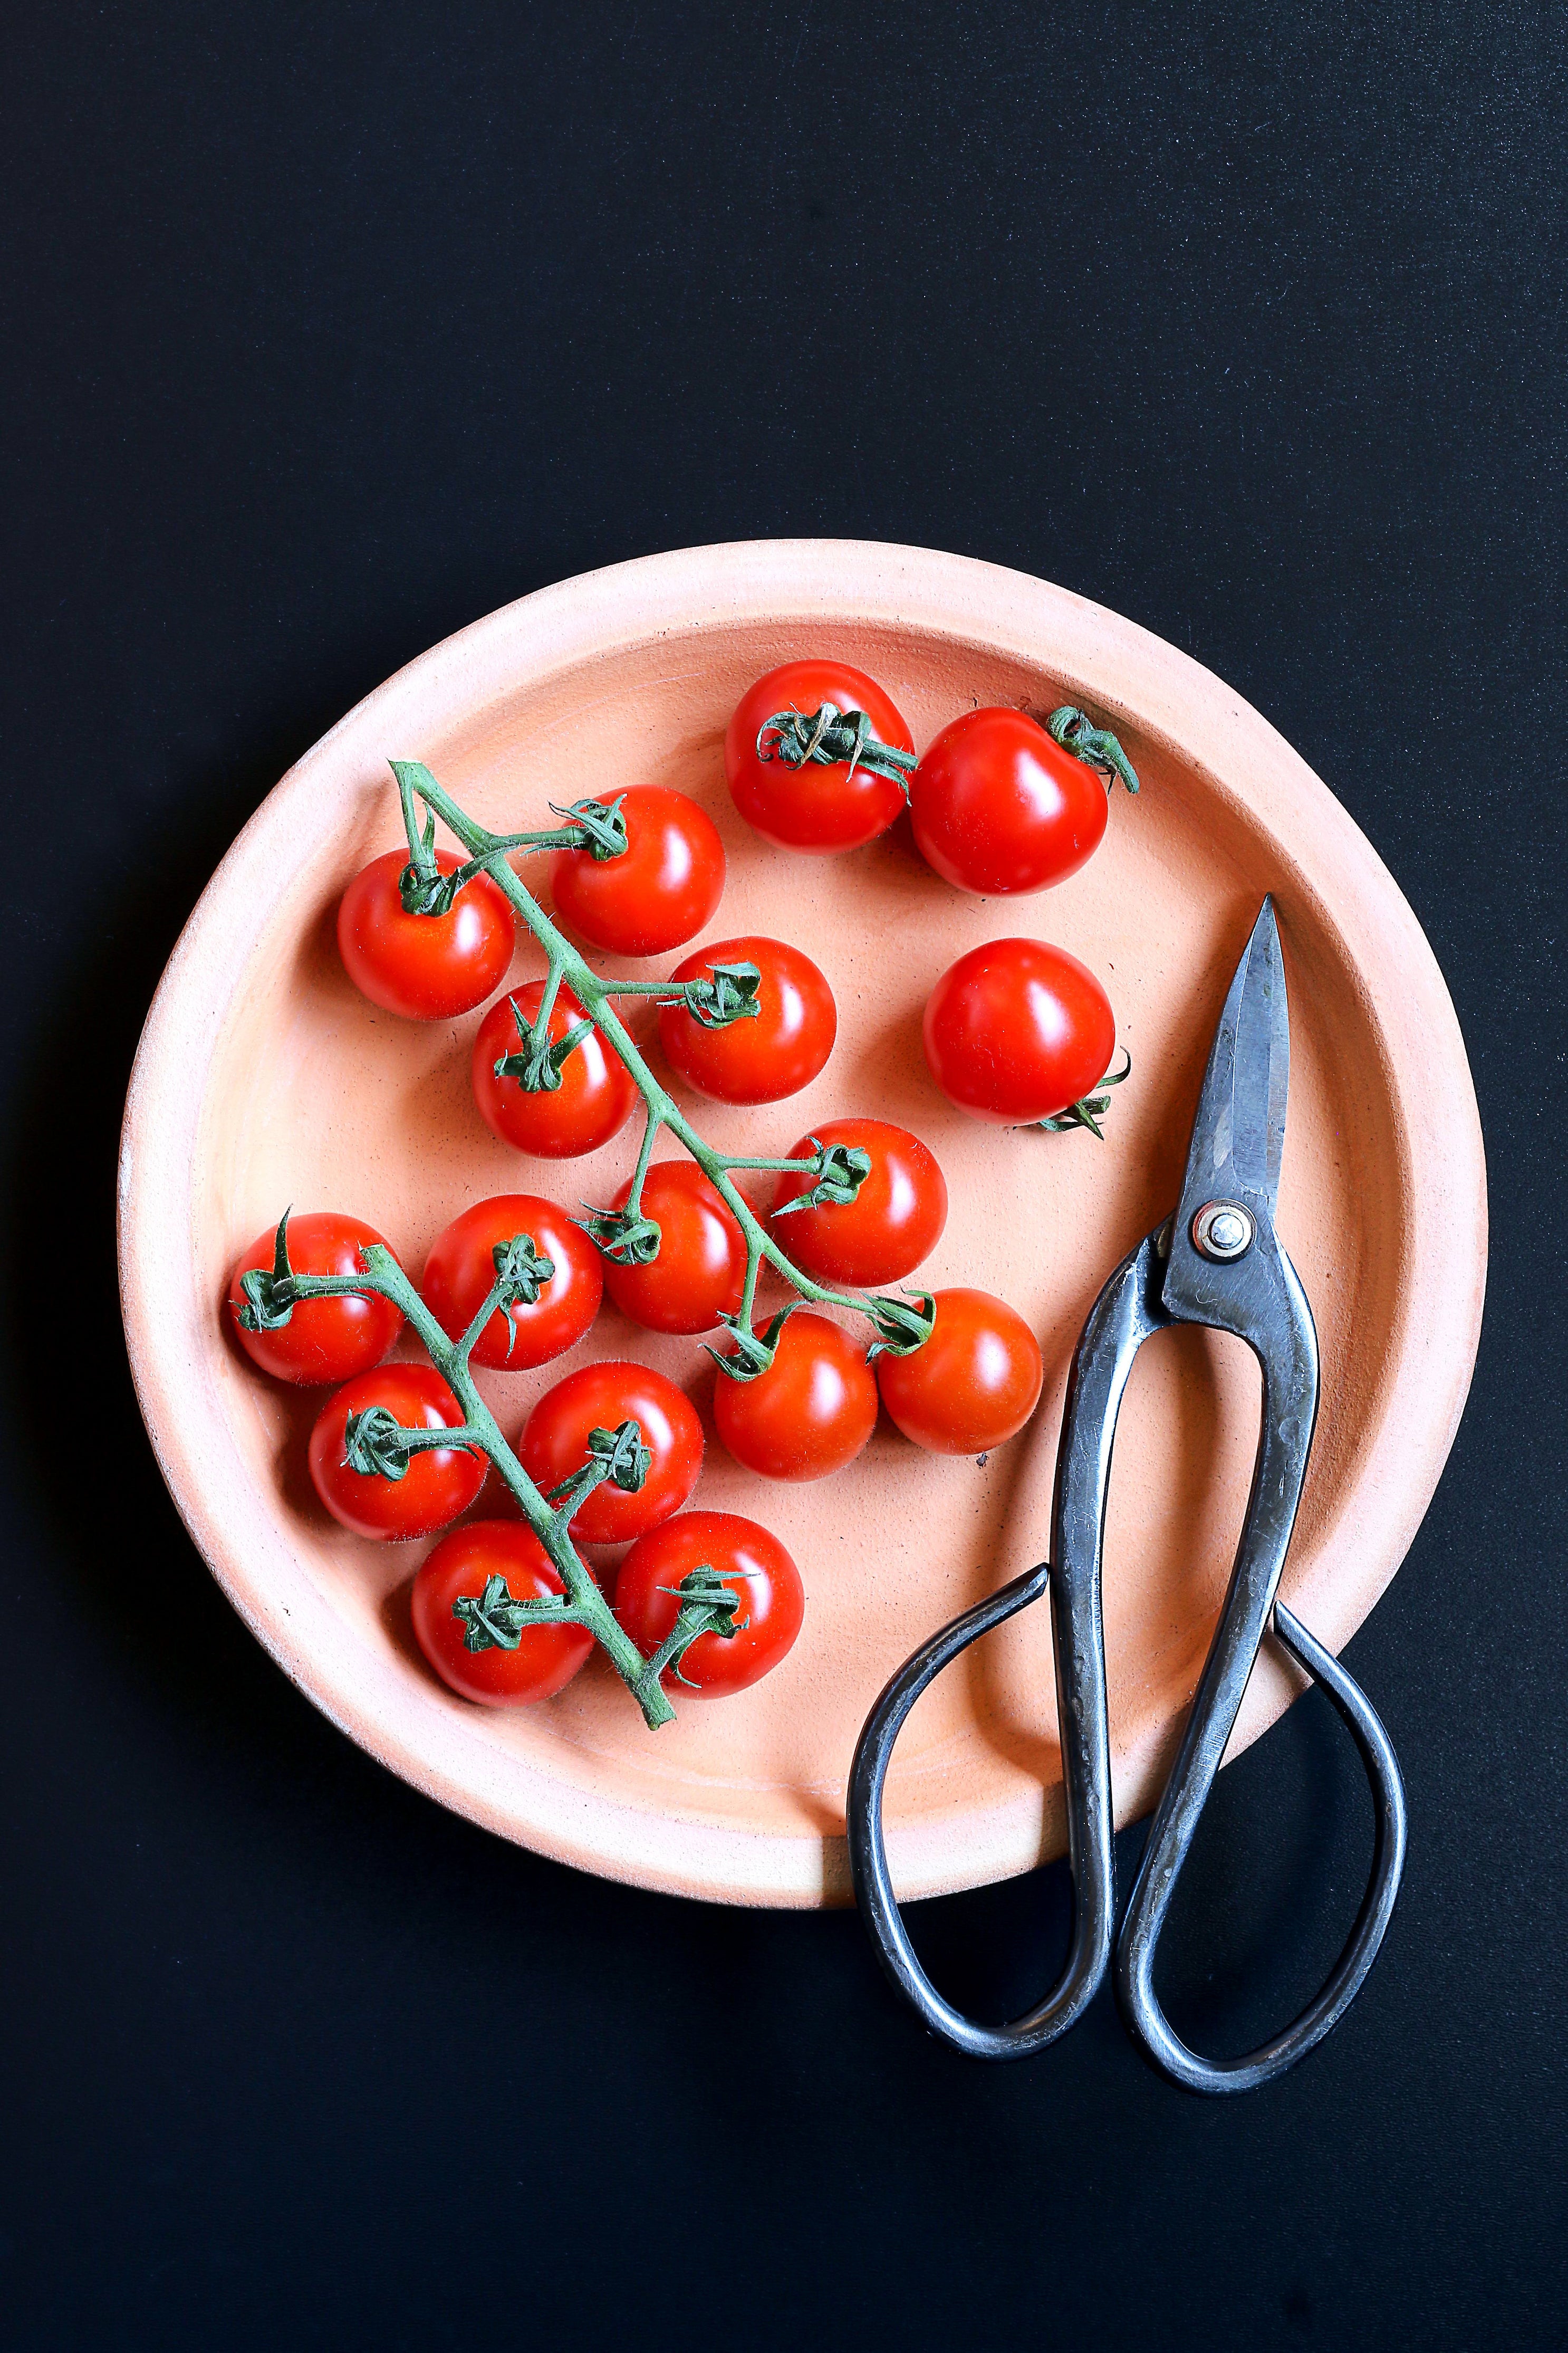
x=1215, y=1260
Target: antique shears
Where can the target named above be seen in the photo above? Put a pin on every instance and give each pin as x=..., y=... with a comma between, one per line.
x=1215, y=1260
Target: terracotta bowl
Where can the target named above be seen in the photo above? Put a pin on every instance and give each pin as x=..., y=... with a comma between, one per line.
x=264, y=1080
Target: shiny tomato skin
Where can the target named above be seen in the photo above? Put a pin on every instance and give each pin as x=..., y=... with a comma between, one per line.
x=749, y=1560
x=662, y=888
x=974, y=1383
x=1017, y=1030
x=998, y=807
x=895, y=1220
x=814, y=809
x=546, y=1658
x=460, y=1272
x=701, y=1270
x=810, y=1413
x=593, y=1103
x=324, y=1340
x=601, y=1396
x=426, y=967
x=437, y=1485
x=770, y=1054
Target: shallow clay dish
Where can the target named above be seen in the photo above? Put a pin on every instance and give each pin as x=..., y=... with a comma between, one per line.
x=264, y=1080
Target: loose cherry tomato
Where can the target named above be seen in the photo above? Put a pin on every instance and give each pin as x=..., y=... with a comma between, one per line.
x=974, y=1382
x=1018, y=1029
x=426, y=967
x=810, y=1413
x=766, y=1055
x=895, y=1219
x=461, y=1271
x=595, y=1099
x=813, y=807
x=700, y=1269
x=602, y=1397
x=324, y=1339
x=750, y=1562
x=997, y=806
x=546, y=1657
x=662, y=888
x=438, y=1484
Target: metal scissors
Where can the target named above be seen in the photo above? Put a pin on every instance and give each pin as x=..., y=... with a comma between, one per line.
x=1215, y=1260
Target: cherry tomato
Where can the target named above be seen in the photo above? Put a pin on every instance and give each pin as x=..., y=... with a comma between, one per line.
x=601, y=1396
x=767, y=1055
x=895, y=1219
x=997, y=806
x=1017, y=1030
x=595, y=1097
x=811, y=807
x=663, y=888
x=810, y=1413
x=974, y=1383
x=750, y=1562
x=546, y=1657
x=461, y=1270
x=438, y=1485
x=324, y=1339
x=426, y=967
x=700, y=1269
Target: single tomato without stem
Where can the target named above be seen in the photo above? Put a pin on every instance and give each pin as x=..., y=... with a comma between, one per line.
x=814, y=807
x=997, y=806
x=894, y=1221
x=324, y=1340
x=439, y=1483
x=460, y=1272
x=594, y=1101
x=554, y=1443
x=974, y=1383
x=1017, y=1030
x=460, y=1569
x=700, y=1269
x=766, y=1055
x=659, y=891
x=810, y=1413
x=749, y=1561
x=426, y=967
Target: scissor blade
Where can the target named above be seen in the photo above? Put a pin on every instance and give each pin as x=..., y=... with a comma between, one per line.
x=1238, y=1136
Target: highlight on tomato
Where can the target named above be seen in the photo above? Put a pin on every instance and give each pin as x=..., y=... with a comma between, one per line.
x=816, y=755
x=559, y=1275
x=997, y=806
x=310, y=1341
x=593, y=1095
x=894, y=1221
x=809, y=1413
x=761, y=1608
x=1018, y=1031
x=657, y=892
x=974, y=1383
x=428, y=967
x=467, y=1624
x=603, y=1397
x=765, y=1055
x=699, y=1270
x=366, y=1477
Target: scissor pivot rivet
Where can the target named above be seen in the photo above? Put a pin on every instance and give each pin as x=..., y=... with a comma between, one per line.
x=1223, y=1230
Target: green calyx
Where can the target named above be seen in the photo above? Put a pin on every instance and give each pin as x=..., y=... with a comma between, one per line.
x=731, y=994
x=620, y=1457
x=602, y=827
x=902, y=1324
x=1096, y=747
x=707, y=1606
x=497, y=1619
x=630, y=1240
x=523, y=1269
x=754, y=1351
x=538, y=1068
x=1089, y=1110
x=830, y=736
x=840, y=1172
x=374, y=1444
x=269, y=1299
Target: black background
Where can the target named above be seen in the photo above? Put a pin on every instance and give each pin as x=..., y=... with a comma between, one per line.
x=331, y=328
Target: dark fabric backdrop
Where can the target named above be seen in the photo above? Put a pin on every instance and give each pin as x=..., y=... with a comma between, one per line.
x=331, y=328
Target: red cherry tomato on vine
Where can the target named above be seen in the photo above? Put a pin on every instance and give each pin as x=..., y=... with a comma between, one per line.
x=974, y=1382
x=439, y=1483
x=895, y=1219
x=324, y=1339
x=810, y=1413
x=767, y=1055
x=749, y=1561
x=998, y=806
x=811, y=807
x=461, y=1270
x=546, y=1657
x=602, y=1397
x=663, y=888
x=700, y=1269
x=426, y=967
x=1017, y=1030
x=595, y=1097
